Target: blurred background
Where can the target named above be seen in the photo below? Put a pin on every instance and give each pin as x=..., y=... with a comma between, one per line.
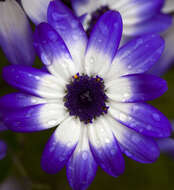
x=20, y=169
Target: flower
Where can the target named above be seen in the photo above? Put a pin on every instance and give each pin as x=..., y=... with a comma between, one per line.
x=15, y=30
x=3, y=149
x=139, y=17
x=93, y=91
x=3, y=146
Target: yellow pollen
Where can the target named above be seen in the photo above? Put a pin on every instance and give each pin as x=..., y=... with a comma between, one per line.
x=76, y=76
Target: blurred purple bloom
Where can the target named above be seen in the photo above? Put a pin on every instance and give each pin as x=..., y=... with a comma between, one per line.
x=15, y=31
x=139, y=17
x=93, y=91
x=3, y=149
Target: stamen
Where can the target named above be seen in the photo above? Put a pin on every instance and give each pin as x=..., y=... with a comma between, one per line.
x=85, y=97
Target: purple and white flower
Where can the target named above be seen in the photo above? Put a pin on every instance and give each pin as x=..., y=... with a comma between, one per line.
x=139, y=17
x=15, y=32
x=93, y=92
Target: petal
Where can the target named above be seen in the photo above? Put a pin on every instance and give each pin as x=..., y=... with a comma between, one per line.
x=166, y=145
x=137, y=56
x=167, y=57
x=2, y=126
x=85, y=6
x=81, y=167
x=69, y=28
x=158, y=23
x=135, y=88
x=103, y=43
x=136, y=11
x=36, y=10
x=168, y=6
x=136, y=146
x=53, y=52
x=141, y=117
x=19, y=100
x=34, y=81
x=15, y=32
x=3, y=149
x=105, y=148
x=35, y=118
x=61, y=145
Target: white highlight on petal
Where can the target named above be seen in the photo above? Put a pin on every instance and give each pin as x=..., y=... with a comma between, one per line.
x=119, y=89
x=52, y=114
x=83, y=144
x=99, y=133
x=51, y=87
x=15, y=33
x=63, y=66
x=88, y=6
x=68, y=132
x=36, y=9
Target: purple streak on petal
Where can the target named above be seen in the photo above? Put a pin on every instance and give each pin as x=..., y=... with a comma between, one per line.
x=139, y=54
x=158, y=23
x=145, y=87
x=109, y=158
x=144, y=119
x=81, y=170
x=25, y=120
x=69, y=27
x=138, y=147
x=106, y=34
x=55, y=155
x=24, y=78
x=3, y=149
x=17, y=100
x=49, y=44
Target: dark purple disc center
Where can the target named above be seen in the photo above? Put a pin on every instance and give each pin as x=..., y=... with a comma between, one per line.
x=85, y=98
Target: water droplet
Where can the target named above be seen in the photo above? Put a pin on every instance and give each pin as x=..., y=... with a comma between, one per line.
x=58, y=16
x=156, y=117
x=52, y=36
x=123, y=117
x=52, y=122
x=113, y=151
x=135, y=138
x=107, y=140
x=61, y=158
x=128, y=153
x=129, y=67
x=84, y=155
x=92, y=60
x=75, y=37
x=74, y=24
x=149, y=127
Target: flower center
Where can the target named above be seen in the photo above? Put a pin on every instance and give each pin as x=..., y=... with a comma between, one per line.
x=85, y=98
x=95, y=16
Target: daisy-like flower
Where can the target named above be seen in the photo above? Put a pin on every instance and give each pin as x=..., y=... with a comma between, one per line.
x=93, y=92
x=139, y=17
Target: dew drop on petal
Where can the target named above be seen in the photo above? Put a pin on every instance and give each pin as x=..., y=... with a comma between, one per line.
x=84, y=155
x=156, y=117
x=52, y=36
